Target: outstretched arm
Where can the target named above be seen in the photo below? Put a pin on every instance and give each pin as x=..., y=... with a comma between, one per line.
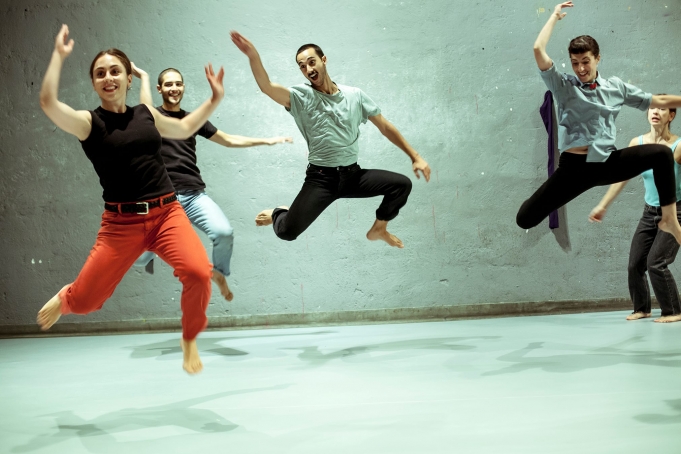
x=172, y=128
x=599, y=210
x=76, y=122
x=145, y=88
x=232, y=141
x=665, y=101
x=278, y=93
x=544, y=62
x=392, y=134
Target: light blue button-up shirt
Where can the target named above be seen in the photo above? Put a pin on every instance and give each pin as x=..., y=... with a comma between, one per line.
x=586, y=117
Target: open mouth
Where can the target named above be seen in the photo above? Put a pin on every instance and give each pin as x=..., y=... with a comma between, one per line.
x=110, y=88
x=313, y=76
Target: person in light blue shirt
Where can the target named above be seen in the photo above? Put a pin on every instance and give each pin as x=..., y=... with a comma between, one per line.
x=329, y=115
x=587, y=105
x=651, y=249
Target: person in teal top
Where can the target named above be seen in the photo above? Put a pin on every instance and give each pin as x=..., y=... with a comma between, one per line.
x=651, y=249
x=329, y=115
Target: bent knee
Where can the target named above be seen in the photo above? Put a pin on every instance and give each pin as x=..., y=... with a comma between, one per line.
x=524, y=221
x=287, y=236
x=225, y=234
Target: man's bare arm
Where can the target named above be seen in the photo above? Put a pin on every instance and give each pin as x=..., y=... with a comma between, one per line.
x=393, y=134
x=278, y=93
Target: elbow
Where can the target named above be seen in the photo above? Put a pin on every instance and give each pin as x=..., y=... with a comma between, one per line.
x=45, y=101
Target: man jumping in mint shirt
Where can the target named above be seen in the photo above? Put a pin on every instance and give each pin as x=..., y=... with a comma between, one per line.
x=180, y=160
x=328, y=115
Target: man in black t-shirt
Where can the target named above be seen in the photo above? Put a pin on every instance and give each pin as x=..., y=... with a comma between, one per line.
x=180, y=160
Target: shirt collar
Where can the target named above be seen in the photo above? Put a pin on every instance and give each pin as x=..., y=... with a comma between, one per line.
x=598, y=81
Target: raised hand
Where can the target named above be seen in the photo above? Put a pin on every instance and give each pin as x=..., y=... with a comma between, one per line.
x=137, y=72
x=420, y=165
x=215, y=81
x=558, y=9
x=243, y=44
x=62, y=45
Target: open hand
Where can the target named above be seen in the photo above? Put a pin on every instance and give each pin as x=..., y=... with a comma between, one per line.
x=597, y=214
x=137, y=72
x=215, y=81
x=243, y=44
x=558, y=9
x=62, y=44
x=422, y=166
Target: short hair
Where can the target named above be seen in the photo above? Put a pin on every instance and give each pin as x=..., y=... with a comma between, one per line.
x=318, y=50
x=166, y=71
x=116, y=53
x=583, y=44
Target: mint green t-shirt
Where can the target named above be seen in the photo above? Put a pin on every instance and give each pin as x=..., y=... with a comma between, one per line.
x=330, y=123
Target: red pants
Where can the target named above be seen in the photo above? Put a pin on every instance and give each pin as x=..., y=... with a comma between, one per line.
x=120, y=241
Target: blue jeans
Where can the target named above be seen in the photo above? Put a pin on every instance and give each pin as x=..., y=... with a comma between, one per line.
x=207, y=216
x=653, y=250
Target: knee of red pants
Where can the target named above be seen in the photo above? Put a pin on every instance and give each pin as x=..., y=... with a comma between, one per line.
x=75, y=302
x=196, y=292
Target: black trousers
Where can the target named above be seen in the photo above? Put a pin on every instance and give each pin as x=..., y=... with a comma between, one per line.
x=575, y=176
x=653, y=250
x=324, y=185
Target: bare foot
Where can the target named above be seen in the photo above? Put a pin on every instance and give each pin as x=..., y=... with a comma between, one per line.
x=265, y=217
x=638, y=315
x=221, y=282
x=668, y=319
x=192, y=362
x=50, y=313
x=671, y=227
x=378, y=232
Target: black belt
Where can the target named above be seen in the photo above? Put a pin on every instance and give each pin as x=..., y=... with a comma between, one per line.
x=139, y=207
x=337, y=169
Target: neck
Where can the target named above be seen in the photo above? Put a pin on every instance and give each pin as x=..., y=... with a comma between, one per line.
x=171, y=107
x=327, y=87
x=114, y=106
x=659, y=133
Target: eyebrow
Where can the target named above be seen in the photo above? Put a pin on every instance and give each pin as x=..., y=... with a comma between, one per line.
x=112, y=66
x=300, y=62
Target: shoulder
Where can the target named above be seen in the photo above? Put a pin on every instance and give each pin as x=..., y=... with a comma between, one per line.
x=348, y=89
x=636, y=141
x=302, y=89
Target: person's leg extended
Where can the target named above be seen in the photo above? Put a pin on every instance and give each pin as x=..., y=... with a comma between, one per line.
x=120, y=241
x=395, y=189
x=641, y=243
x=176, y=242
x=205, y=214
x=628, y=162
x=567, y=182
x=317, y=193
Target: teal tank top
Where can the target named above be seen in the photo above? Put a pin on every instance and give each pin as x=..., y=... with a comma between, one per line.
x=652, y=198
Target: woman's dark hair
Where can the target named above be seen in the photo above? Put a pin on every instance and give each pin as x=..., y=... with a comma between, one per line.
x=166, y=71
x=316, y=48
x=116, y=53
x=583, y=44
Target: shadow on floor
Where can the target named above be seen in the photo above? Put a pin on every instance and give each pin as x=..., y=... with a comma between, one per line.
x=589, y=359
x=97, y=433
x=205, y=344
x=663, y=419
x=314, y=357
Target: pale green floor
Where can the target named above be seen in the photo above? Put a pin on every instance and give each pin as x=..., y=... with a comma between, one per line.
x=590, y=383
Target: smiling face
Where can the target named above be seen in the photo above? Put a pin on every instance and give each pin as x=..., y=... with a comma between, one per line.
x=171, y=88
x=312, y=66
x=110, y=78
x=585, y=66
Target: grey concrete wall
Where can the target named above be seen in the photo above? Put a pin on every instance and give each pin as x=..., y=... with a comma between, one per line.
x=459, y=80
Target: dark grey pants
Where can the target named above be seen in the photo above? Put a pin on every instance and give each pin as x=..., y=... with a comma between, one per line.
x=653, y=250
x=324, y=185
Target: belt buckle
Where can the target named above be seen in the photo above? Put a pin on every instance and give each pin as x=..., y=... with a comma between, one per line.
x=146, y=207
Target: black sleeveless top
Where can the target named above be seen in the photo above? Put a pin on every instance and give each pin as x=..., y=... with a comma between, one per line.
x=125, y=150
